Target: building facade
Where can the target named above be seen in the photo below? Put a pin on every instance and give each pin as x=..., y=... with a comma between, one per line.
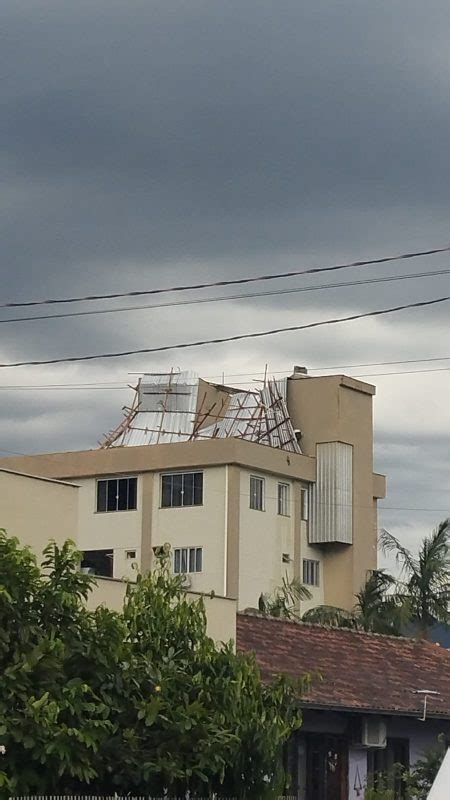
x=247, y=488
x=375, y=702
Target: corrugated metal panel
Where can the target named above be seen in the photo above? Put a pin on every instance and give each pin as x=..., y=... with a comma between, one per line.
x=166, y=411
x=167, y=407
x=331, y=518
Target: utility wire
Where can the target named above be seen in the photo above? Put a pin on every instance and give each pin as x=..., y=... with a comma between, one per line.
x=221, y=340
x=115, y=385
x=241, y=296
x=233, y=282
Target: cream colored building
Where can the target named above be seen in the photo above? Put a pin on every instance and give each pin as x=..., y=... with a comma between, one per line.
x=36, y=509
x=246, y=487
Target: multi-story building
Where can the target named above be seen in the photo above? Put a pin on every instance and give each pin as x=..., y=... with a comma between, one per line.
x=247, y=487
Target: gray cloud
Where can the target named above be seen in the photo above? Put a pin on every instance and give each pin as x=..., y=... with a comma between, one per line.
x=143, y=144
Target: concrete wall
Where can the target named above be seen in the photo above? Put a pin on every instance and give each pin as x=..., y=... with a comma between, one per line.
x=37, y=510
x=197, y=526
x=263, y=537
x=117, y=530
x=339, y=409
x=220, y=611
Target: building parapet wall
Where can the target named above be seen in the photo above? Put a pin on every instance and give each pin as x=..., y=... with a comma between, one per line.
x=220, y=611
x=176, y=455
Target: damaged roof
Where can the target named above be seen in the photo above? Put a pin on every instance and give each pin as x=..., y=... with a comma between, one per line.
x=171, y=407
x=351, y=670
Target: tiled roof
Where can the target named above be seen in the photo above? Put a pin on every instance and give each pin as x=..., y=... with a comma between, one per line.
x=351, y=669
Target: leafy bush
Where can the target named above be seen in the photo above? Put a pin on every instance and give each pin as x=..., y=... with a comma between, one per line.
x=132, y=702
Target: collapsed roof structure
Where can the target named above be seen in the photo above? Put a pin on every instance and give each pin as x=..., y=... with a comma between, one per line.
x=180, y=406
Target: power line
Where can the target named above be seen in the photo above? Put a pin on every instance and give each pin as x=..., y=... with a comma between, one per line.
x=242, y=296
x=115, y=385
x=221, y=340
x=232, y=282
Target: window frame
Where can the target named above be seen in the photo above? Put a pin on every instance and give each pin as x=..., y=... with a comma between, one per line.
x=181, y=474
x=304, y=504
x=117, y=479
x=196, y=551
x=262, y=483
x=284, y=502
x=311, y=572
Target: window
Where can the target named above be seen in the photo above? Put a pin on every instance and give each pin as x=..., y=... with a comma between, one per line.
x=130, y=554
x=385, y=763
x=283, y=499
x=181, y=489
x=98, y=562
x=187, y=559
x=116, y=494
x=304, y=508
x=310, y=572
x=256, y=493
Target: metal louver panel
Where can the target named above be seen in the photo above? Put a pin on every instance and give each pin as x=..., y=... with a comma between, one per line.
x=331, y=518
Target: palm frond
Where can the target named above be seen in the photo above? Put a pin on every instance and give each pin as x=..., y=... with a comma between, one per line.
x=403, y=557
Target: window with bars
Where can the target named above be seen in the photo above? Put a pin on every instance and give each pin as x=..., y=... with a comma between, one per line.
x=116, y=494
x=311, y=574
x=257, y=493
x=304, y=505
x=187, y=559
x=283, y=499
x=181, y=489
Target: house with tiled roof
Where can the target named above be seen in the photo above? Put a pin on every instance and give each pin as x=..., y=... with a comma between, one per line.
x=374, y=701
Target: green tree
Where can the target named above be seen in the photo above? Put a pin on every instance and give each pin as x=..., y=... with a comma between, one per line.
x=285, y=602
x=424, y=582
x=377, y=609
x=97, y=701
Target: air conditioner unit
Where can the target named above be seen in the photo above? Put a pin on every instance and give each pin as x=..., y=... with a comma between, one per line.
x=370, y=732
x=186, y=583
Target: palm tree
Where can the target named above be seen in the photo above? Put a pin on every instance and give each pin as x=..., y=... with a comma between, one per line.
x=424, y=581
x=377, y=608
x=285, y=602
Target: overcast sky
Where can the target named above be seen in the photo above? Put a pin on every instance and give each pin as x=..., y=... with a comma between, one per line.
x=147, y=143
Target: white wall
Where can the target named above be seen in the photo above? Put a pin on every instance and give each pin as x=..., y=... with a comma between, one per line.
x=197, y=526
x=117, y=530
x=264, y=537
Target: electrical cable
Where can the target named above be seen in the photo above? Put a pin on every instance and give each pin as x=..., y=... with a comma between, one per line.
x=201, y=300
x=224, y=339
x=231, y=282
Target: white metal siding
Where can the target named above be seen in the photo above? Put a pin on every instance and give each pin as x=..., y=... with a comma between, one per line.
x=331, y=518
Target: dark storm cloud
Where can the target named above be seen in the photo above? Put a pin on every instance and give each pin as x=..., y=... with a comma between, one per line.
x=146, y=143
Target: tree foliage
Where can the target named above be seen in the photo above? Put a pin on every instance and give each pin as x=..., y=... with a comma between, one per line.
x=129, y=702
x=424, y=582
x=285, y=602
x=377, y=609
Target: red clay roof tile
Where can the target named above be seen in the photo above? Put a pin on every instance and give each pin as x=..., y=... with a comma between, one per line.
x=360, y=671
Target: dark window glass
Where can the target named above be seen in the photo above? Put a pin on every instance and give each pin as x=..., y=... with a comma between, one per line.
x=132, y=493
x=122, y=501
x=198, y=489
x=100, y=562
x=177, y=490
x=116, y=494
x=101, y=495
x=177, y=561
x=199, y=560
x=181, y=489
x=166, y=493
x=188, y=489
x=112, y=496
x=184, y=558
